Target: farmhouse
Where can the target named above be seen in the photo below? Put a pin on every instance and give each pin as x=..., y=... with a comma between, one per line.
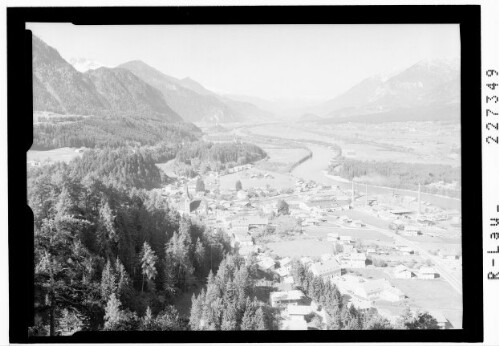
x=266, y=264
x=370, y=289
x=449, y=255
x=326, y=269
x=282, y=272
x=427, y=273
x=411, y=231
x=244, y=240
x=392, y=294
x=405, y=250
x=357, y=223
x=355, y=260
x=294, y=324
x=286, y=298
x=401, y=211
x=285, y=262
x=346, y=239
x=332, y=236
x=347, y=283
x=298, y=311
x=402, y=272
x=347, y=248
x=306, y=261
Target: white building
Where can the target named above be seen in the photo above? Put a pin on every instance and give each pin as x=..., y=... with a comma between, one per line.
x=427, y=273
x=379, y=289
x=298, y=311
x=346, y=239
x=326, y=269
x=266, y=264
x=306, y=261
x=282, y=272
x=332, y=236
x=402, y=272
x=295, y=324
x=354, y=260
x=347, y=248
x=285, y=262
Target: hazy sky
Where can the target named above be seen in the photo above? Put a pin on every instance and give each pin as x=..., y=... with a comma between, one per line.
x=269, y=61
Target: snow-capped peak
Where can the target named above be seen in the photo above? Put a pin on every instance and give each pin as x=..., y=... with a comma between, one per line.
x=83, y=65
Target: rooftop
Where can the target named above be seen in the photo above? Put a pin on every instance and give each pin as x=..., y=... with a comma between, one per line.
x=358, y=256
x=374, y=286
x=427, y=270
x=299, y=310
x=326, y=267
x=294, y=325
x=287, y=295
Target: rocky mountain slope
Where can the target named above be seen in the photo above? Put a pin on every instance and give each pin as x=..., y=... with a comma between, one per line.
x=59, y=88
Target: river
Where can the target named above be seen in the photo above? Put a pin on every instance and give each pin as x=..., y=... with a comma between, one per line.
x=313, y=168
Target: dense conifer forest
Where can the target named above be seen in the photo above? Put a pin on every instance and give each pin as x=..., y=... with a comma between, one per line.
x=94, y=132
x=111, y=257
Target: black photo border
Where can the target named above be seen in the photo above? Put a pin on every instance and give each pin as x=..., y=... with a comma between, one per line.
x=19, y=126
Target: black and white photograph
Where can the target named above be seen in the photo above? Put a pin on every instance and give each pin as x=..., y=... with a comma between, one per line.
x=245, y=177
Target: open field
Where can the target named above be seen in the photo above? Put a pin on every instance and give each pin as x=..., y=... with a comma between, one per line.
x=62, y=154
x=433, y=295
x=424, y=142
x=280, y=181
x=361, y=233
x=301, y=248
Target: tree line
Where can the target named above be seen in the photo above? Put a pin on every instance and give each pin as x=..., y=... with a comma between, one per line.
x=397, y=174
x=206, y=156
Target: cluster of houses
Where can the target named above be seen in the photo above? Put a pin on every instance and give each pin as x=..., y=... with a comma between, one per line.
x=297, y=309
x=241, y=213
x=236, y=169
x=424, y=273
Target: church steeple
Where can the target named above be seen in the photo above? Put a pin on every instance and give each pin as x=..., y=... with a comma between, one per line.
x=187, y=200
x=186, y=192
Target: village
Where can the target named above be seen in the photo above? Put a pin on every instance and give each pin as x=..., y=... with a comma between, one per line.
x=380, y=251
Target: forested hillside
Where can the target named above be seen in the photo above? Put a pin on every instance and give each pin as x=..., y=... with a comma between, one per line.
x=58, y=87
x=110, y=257
x=103, y=107
x=229, y=303
x=116, y=131
x=131, y=168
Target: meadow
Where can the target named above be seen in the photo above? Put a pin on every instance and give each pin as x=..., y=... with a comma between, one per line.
x=61, y=154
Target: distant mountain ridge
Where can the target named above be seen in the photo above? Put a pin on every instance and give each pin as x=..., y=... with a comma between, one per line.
x=189, y=103
x=192, y=100
x=426, y=84
x=58, y=87
x=83, y=65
